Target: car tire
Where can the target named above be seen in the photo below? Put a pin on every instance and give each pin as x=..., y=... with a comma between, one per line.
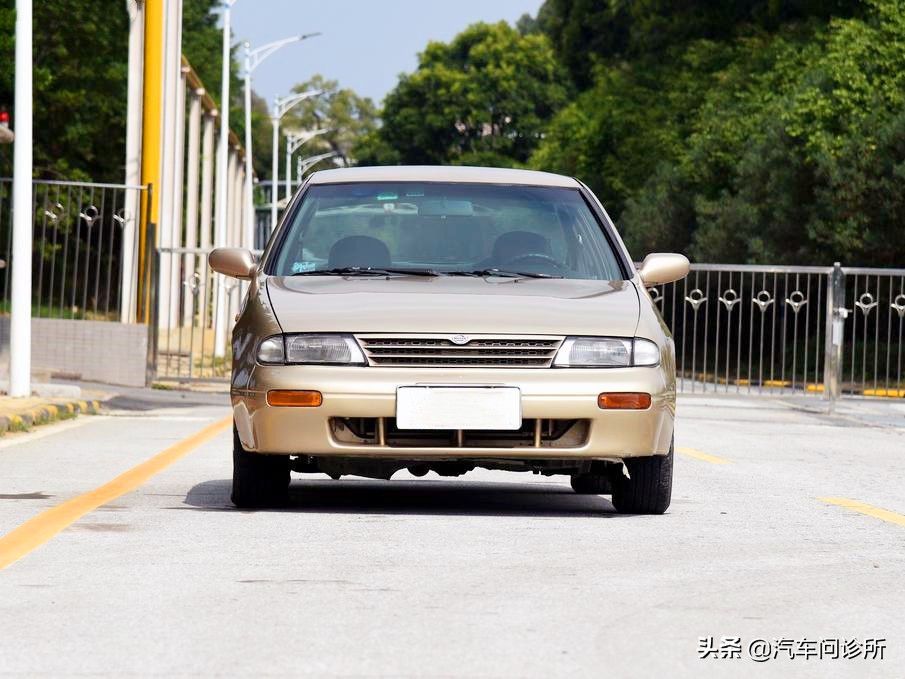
x=591, y=483
x=258, y=480
x=649, y=490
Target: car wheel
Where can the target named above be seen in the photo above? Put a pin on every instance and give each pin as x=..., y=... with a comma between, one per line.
x=591, y=484
x=649, y=489
x=258, y=480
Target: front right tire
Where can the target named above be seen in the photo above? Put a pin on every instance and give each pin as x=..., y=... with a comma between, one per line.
x=258, y=480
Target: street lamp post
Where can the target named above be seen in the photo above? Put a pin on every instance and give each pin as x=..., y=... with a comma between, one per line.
x=281, y=106
x=295, y=141
x=253, y=59
x=220, y=198
x=223, y=142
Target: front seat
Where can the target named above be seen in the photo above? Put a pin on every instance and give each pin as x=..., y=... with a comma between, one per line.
x=514, y=244
x=359, y=251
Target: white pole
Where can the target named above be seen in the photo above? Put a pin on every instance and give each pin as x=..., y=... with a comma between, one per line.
x=221, y=215
x=132, y=202
x=249, y=170
x=171, y=68
x=20, y=320
x=191, y=207
x=224, y=302
x=223, y=141
x=176, y=282
x=275, y=165
x=231, y=221
x=207, y=188
x=207, y=179
x=288, y=188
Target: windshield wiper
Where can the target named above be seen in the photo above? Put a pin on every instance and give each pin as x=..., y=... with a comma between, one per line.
x=501, y=272
x=368, y=271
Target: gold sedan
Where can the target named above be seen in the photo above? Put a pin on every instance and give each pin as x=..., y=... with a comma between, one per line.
x=447, y=318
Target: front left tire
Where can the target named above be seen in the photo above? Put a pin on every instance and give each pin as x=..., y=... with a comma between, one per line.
x=649, y=488
x=258, y=480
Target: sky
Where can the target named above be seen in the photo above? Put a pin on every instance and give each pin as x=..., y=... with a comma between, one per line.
x=365, y=44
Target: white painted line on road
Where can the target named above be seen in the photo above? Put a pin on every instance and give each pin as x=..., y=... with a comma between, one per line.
x=22, y=438
x=864, y=508
x=43, y=527
x=706, y=457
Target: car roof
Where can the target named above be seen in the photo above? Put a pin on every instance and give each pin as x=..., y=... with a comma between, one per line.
x=442, y=173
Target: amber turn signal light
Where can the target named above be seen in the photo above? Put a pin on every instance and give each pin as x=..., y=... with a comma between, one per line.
x=625, y=400
x=292, y=398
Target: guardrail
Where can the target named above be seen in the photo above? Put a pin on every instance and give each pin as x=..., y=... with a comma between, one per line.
x=771, y=329
x=84, y=253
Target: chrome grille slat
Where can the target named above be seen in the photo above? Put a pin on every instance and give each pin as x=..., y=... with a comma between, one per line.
x=442, y=352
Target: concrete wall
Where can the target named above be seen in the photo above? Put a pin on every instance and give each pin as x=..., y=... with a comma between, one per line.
x=97, y=351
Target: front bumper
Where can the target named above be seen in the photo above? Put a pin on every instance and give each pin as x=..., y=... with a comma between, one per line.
x=370, y=392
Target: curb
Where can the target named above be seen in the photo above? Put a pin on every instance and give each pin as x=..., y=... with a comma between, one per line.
x=44, y=414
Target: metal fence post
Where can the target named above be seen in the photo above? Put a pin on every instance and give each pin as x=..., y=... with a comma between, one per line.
x=836, y=313
x=152, y=267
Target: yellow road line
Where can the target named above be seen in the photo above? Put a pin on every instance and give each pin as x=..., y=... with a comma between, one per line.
x=38, y=530
x=864, y=508
x=706, y=457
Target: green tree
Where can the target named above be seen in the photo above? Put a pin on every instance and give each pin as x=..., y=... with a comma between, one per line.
x=484, y=99
x=348, y=116
x=80, y=70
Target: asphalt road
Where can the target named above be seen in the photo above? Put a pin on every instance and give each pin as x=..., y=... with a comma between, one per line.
x=488, y=575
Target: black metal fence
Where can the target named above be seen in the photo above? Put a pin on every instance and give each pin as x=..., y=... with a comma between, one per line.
x=766, y=329
x=80, y=255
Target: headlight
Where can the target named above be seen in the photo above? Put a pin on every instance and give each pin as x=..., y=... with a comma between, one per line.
x=311, y=349
x=606, y=352
x=272, y=350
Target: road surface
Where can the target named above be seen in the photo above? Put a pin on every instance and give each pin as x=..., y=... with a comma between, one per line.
x=786, y=525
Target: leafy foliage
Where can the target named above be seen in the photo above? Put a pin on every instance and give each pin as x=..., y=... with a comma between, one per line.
x=763, y=132
x=79, y=87
x=484, y=98
x=347, y=116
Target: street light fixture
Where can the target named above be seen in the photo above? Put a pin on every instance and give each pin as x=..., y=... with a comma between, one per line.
x=253, y=59
x=282, y=106
x=309, y=162
x=294, y=141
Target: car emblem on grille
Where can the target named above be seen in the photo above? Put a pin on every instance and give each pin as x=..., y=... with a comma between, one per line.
x=460, y=339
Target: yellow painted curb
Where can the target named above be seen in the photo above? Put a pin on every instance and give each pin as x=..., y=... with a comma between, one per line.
x=885, y=393
x=49, y=412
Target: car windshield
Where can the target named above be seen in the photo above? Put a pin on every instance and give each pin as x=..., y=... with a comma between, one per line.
x=445, y=229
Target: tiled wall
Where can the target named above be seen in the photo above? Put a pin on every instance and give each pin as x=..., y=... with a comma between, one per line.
x=96, y=351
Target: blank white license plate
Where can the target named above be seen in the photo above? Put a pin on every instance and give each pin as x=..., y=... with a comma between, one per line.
x=458, y=408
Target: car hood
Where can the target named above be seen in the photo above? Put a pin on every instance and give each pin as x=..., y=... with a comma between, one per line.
x=409, y=304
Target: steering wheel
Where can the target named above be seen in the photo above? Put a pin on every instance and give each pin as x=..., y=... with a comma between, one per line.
x=538, y=256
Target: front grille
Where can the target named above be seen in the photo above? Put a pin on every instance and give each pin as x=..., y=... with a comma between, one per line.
x=543, y=433
x=439, y=351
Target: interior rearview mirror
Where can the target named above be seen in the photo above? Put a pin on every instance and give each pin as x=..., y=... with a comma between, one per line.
x=663, y=267
x=233, y=262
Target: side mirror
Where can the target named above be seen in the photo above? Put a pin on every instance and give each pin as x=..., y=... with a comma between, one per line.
x=662, y=267
x=233, y=262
